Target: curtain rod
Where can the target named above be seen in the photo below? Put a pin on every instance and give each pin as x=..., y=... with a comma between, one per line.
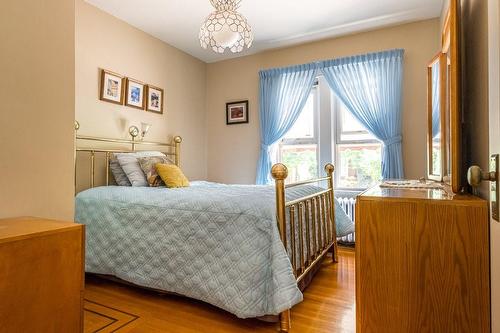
x=331, y=62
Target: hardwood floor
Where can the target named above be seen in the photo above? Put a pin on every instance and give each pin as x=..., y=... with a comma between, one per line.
x=328, y=306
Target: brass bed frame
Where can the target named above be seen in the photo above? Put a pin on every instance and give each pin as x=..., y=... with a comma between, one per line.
x=311, y=218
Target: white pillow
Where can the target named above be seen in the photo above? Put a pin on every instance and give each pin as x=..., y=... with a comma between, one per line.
x=118, y=173
x=131, y=167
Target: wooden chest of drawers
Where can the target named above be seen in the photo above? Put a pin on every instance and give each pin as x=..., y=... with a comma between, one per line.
x=41, y=276
x=422, y=262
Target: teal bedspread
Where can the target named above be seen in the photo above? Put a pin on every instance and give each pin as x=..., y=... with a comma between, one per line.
x=212, y=242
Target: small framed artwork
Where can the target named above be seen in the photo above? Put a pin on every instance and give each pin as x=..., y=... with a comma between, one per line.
x=154, y=99
x=134, y=93
x=237, y=112
x=111, y=87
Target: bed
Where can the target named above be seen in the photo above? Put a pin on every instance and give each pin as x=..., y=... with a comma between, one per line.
x=228, y=245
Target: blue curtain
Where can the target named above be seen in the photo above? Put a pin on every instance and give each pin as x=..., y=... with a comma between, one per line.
x=283, y=94
x=436, y=114
x=370, y=87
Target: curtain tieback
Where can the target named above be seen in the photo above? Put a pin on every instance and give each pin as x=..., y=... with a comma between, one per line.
x=265, y=147
x=393, y=140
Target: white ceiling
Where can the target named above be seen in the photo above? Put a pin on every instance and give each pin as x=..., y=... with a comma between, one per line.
x=276, y=23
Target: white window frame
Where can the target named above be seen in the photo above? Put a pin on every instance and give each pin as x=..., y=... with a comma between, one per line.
x=306, y=141
x=338, y=128
x=327, y=132
x=337, y=139
x=314, y=140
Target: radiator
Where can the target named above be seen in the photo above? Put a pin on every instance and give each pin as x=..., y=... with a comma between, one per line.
x=348, y=205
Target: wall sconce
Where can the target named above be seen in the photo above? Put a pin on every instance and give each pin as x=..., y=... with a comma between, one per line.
x=134, y=130
x=144, y=129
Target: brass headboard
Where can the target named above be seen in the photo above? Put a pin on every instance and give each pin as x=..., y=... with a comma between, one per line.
x=169, y=149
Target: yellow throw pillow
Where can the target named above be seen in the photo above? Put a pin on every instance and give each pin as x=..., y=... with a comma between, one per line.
x=172, y=175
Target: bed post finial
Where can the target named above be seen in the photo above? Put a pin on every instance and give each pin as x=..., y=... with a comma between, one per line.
x=279, y=173
x=177, y=147
x=329, y=168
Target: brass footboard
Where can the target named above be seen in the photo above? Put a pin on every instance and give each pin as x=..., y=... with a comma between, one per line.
x=311, y=221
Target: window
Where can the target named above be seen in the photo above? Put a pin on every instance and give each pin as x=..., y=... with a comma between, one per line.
x=326, y=131
x=358, y=158
x=298, y=150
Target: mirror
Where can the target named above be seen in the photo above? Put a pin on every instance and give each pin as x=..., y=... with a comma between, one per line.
x=451, y=117
x=447, y=121
x=436, y=105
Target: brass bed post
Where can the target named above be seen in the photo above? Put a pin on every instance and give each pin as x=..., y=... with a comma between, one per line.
x=92, y=168
x=279, y=173
x=293, y=255
x=177, y=144
x=324, y=221
x=314, y=237
x=301, y=237
x=77, y=127
x=329, y=168
x=308, y=232
x=107, y=167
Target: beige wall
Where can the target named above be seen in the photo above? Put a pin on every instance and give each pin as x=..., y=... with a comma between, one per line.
x=103, y=41
x=37, y=93
x=233, y=150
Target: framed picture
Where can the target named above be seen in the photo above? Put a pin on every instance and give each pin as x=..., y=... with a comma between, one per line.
x=237, y=112
x=134, y=93
x=154, y=99
x=111, y=87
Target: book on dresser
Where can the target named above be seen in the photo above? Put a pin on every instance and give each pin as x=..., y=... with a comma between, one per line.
x=41, y=275
x=422, y=261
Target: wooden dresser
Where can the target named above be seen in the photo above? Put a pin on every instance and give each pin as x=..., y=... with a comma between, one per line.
x=41, y=276
x=422, y=262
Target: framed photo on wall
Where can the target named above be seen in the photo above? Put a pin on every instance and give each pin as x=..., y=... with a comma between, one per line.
x=134, y=93
x=111, y=89
x=237, y=112
x=154, y=99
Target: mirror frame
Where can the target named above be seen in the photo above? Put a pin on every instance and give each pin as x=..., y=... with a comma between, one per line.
x=450, y=40
x=441, y=58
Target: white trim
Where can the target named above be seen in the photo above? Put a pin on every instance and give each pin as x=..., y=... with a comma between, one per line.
x=327, y=130
x=314, y=138
x=494, y=147
x=337, y=107
x=337, y=128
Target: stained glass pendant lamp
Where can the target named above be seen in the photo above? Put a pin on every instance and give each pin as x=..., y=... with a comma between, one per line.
x=226, y=28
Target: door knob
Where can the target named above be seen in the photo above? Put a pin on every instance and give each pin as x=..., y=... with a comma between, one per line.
x=475, y=175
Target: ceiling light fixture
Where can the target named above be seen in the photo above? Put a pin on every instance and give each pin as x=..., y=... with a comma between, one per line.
x=226, y=28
